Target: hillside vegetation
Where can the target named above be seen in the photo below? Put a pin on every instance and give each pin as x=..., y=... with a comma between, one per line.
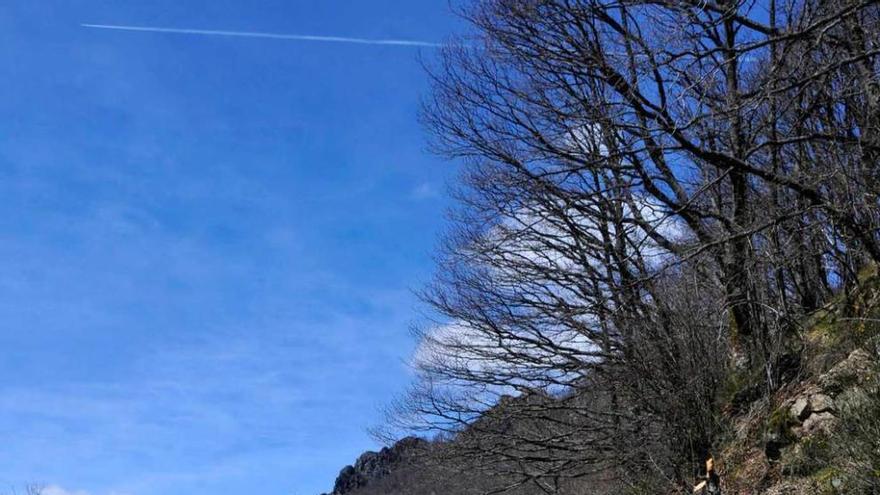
x=819, y=433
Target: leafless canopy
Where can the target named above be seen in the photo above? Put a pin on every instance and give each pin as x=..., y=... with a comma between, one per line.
x=654, y=193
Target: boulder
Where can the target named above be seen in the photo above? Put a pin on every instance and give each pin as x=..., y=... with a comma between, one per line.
x=822, y=422
x=821, y=403
x=801, y=408
x=853, y=370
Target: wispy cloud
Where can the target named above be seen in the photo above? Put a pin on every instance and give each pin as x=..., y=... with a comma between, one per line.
x=57, y=490
x=425, y=190
x=277, y=36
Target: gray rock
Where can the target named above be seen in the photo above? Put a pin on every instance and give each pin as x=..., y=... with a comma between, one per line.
x=821, y=403
x=372, y=466
x=823, y=422
x=801, y=408
x=851, y=371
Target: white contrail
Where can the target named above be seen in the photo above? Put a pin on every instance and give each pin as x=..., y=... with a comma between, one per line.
x=277, y=36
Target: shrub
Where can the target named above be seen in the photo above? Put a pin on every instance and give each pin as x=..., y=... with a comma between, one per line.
x=858, y=444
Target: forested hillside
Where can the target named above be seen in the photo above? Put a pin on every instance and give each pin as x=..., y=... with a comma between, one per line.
x=818, y=433
x=663, y=252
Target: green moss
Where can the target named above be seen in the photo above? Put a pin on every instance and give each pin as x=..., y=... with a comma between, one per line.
x=734, y=329
x=827, y=478
x=807, y=457
x=739, y=389
x=643, y=487
x=733, y=384
x=823, y=327
x=867, y=273
x=779, y=426
x=849, y=321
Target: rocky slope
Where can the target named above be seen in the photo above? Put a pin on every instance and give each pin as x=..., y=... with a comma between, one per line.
x=819, y=434
x=791, y=443
x=371, y=467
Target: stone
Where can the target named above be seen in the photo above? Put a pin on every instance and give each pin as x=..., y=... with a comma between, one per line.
x=849, y=372
x=801, y=408
x=823, y=422
x=821, y=403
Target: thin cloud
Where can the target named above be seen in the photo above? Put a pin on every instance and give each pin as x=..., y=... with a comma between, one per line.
x=425, y=190
x=57, y=490
x=276, y=36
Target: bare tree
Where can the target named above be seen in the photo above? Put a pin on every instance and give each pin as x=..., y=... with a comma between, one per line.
x=654, y=192
x=30, y=489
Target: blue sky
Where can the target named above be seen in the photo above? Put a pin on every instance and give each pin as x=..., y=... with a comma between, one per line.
x=207, y=244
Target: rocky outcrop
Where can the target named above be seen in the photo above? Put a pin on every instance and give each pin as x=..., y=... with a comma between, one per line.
x=373, y=466
x=799, y=432
x=855, y=370
x=813, y=411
